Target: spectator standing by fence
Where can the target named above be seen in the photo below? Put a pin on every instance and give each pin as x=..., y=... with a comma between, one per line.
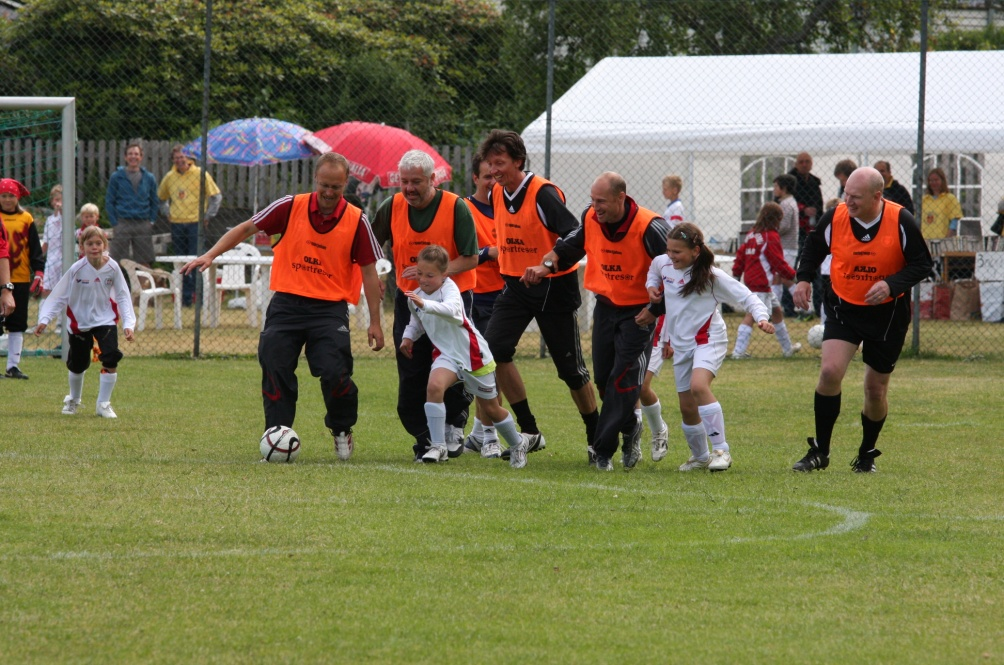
x=131, y=206
x=894, y=191
x=180, y=190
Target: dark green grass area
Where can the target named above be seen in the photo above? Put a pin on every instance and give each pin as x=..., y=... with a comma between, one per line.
x=159, y=537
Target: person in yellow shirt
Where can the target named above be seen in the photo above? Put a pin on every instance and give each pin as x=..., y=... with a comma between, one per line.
x=180, y=192
x=940, y=210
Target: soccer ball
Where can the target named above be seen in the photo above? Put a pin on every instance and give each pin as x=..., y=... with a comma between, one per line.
x=280, y=444
x=815, y=336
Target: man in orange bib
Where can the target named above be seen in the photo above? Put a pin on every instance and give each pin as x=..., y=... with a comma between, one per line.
x=620, y=239
x=878, y=255
x=327, y=252
x=418, y=216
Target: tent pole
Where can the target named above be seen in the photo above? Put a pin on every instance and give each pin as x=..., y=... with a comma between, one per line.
x=918, y=184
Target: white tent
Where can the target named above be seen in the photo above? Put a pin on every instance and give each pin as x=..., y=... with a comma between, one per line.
x=704, y=117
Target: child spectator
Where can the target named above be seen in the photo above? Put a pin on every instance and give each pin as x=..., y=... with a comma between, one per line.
x=671, y=187
x=758, y=261
x=91, y=290
x=89, y=215
x=696, y=338
x=437, y=310
x=52, y=241
x=26, y=268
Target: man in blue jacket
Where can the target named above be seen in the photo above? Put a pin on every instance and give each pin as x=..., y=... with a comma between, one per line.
x=131, y=202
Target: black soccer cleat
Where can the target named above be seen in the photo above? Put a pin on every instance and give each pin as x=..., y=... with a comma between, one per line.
x=865, y=463
x=813, y=459
x=15, y=373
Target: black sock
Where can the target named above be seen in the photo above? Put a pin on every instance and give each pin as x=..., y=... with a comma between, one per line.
x=870, y=430
x=827, y=409
x=527, y=423
x=591, y=420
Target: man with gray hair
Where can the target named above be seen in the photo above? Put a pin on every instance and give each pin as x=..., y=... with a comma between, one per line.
x=878, y=255
x=420, y=215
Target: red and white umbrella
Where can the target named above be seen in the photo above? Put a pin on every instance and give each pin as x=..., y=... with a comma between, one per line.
x=374, y=150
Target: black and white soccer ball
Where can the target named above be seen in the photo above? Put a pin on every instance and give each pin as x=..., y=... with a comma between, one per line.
x=280, y=444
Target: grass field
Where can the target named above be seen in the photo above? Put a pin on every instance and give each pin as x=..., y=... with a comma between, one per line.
x=160, y=538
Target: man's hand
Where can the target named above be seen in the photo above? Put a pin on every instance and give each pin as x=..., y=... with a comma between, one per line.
x=878, y=294
x=645, y=318
x=36, y=284
x=802, y=295
x=534, y=275
x=201, y=263
x=375, y=336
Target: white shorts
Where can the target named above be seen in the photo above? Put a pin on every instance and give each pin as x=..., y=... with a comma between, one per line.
x=482, y=386
x=708, y=356
x=769, y=300
x=655, y=360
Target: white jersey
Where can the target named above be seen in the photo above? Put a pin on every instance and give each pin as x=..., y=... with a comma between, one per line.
x=443, y=319
x=674, y=213
x=92, y=297
x=695, y=320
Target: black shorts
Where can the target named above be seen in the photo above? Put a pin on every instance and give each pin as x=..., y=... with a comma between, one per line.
x=880, y=329
x=81, y=344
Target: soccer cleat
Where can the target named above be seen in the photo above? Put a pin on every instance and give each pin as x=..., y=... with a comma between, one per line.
x=720, y=460
x=631, y=449
x=436, y=454
x=537, y=444
x=15, y=373
x=813, y=459
x=473, y=445
x=795, y=348
x=865, y=463
x=454, y=441
x=591, y=455
x=740, y=356
x=517, y=453
x=604, y=463
x=103, y=409
x=693, y=464
x=491, y=449
x=343, y=445
x=660, y=443
x=70, y=406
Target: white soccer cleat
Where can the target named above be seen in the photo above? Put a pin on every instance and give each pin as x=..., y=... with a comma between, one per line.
x=103, y=409
x=694, y=464
x=344, y=445
x=436, y=454
x=517, y=453
x=491, y=449
x=660, y=443
x=454, y=441
x=795, y=348
x=70, y=406
x=720, y=460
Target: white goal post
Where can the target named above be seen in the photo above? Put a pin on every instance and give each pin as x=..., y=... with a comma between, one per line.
x=68, y=110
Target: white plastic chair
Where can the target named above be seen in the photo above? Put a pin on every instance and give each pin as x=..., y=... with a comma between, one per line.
x=144, y=288
x=233, y=277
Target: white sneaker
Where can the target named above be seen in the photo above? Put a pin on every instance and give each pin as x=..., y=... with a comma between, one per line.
x=70, y=406
x=795, y=348
x=720, y=460
x=472, y=444
x=436, y=454
x=517, y=453
x=491, y=449
x=343, y=445
x=693, y=464
x=740, y=356
x=103, y=409
x=660, y=443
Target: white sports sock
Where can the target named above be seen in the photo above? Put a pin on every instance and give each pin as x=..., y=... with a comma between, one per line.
x=653, y=416
x=714, y=424
x=76, y=386
x=777, y=290
x=783, y=338
x=105, y=386
x=15, y=342
x=435, y=416
x=697, y=440
x=489, y=435
x=507, y=429
x=478, y=431
x=742, y=339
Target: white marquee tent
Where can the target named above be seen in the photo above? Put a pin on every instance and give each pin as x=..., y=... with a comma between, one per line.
x=706, y=117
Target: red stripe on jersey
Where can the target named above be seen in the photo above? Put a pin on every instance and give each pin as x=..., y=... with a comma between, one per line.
x=73, y=321
x=477, y=362
x=702, y=335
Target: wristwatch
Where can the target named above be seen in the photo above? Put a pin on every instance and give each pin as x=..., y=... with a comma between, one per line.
x=8, y=286
x=549, y=264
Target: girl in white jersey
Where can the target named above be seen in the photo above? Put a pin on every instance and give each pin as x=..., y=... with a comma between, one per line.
x=95, y=294
x=461, y=354
x=694, y=335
